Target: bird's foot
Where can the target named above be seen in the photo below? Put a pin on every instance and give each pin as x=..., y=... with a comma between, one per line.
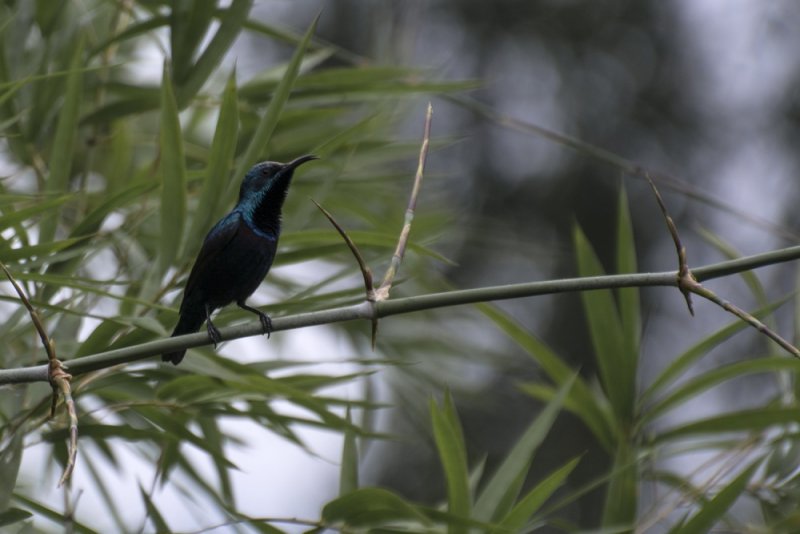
x=266, y=322
x=213, y=333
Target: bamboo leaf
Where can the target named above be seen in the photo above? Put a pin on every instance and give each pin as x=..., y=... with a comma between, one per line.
x=173, y=177
x=750, y=420
x=628, y=297
x=371, y=506
x=60, y=164
x=452, y=453
x=266, y=125
x=501, y=491
x=231, y=23
x=615, y=359
x=220, y=163
x=348, y=475
x=582, y=400
x=535, y=498
x=622, y=493
x=704, y=382
x=679, y=365
x=152, y=512
x=711, y=511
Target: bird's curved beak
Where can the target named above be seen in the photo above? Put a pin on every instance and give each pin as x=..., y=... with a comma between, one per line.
x=299, y=161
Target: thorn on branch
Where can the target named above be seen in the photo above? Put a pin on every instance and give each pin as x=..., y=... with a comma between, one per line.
x=365, y=270
x=685, y=276
x=688, y=284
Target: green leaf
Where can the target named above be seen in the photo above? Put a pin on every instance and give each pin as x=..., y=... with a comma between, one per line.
x=47, y=14
x=92, y=221
x=453, y=455
x=501, y=491
x=622, y=492
x=173, y=177
x=57, y=516
x=535, y=498
x=628, y=297
x=220, y=163
x=371, y=507
x=60, y=164
x=215, y=441
x=584, y=402
x=13, y=515
x=42, y=207
x=704, y=382
x=348, y=474
x=710, y=512
x=119, y=109
x=741, y=421
x=615, y=361
x=12, y=451
x=189, y=21
x=231, y=22
x=152, y=512
x=679, y=365
x=263, y=133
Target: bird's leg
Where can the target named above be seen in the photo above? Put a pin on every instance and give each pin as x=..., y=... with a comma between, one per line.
x=213, y=333
x=266, y=322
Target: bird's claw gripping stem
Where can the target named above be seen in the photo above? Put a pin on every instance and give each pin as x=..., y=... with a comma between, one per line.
x=266, y=322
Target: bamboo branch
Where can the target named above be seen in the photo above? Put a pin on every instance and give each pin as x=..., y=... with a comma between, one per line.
x=430, y=301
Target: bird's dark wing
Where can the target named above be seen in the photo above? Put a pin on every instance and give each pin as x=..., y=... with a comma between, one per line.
x=215, y=242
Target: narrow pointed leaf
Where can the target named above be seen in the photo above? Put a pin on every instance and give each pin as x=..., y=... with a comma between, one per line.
x=263, y=133
x=679, y=365
x=348, y=475
x=152, y=512
x=615, y=361
x=628, y=297
x=371, y=506
x=713, y=510
x=706, y=381
x=749, y=420
x=535, y=498
x=503, y=488
x=583, y=401
x=231, y=23
x=220, y=163
x=173, y=177
x=60, y=164
x=452, y=453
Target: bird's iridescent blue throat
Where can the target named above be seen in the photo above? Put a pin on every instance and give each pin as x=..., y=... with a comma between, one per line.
x=238, y=251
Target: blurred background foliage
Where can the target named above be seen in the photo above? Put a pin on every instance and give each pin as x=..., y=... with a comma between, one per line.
x=126, y=127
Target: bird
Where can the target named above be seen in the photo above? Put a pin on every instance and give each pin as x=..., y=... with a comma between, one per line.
x=237, y=253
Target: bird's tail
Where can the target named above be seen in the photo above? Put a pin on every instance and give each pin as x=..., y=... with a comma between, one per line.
x=189, y=322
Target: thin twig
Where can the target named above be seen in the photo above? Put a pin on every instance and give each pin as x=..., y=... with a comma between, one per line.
x=382, y=293
x=688, y=284
x=698, y=289
x=59, y=379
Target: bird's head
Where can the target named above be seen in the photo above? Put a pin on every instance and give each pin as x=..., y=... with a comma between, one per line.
x=268, y=175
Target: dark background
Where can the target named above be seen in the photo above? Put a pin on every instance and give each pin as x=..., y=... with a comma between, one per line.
x=703, y=91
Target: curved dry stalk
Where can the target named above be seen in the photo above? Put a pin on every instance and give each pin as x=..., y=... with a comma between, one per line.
x=382, y=293
x=59, y=379
x=688, y=284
